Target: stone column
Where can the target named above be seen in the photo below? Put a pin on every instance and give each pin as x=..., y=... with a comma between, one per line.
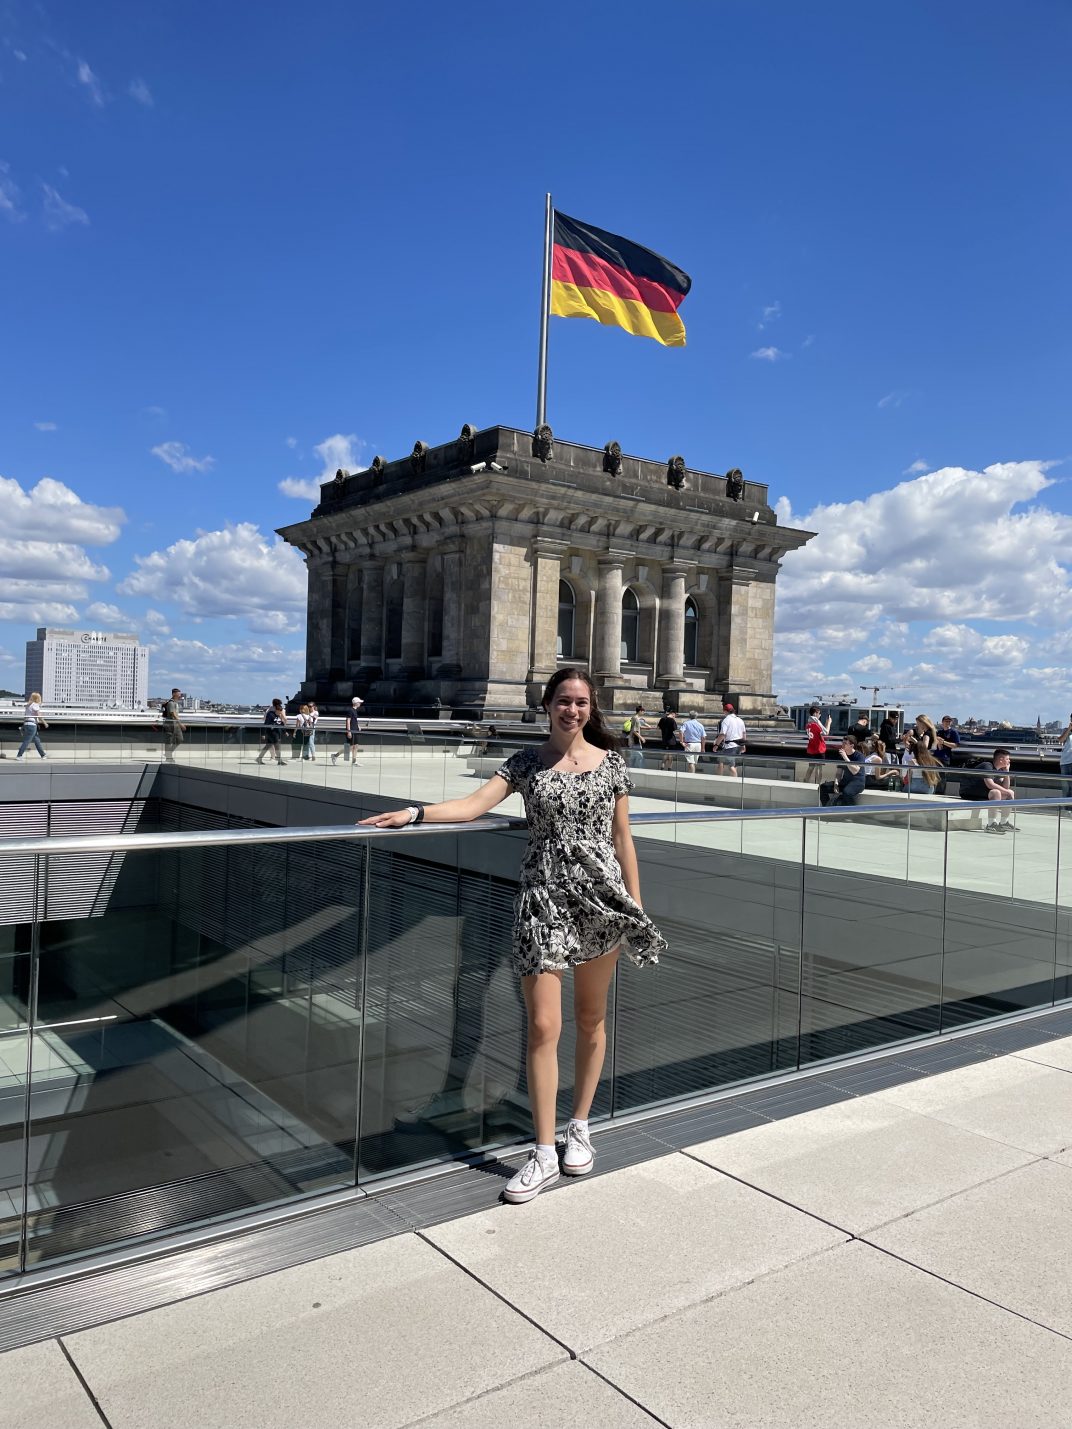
x=450, y=666
x=607, y=656
x=372, y=619
x=318, y=619
x=735, y=672
x=339, y=579
x=546, y=574
x=671, y=669
x=414, y=613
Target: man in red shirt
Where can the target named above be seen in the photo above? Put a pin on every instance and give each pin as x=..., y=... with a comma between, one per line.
x=817, y=732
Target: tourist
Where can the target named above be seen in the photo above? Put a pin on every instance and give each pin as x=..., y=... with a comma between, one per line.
x=922, y=772
x=1066, y=760
x=729, y=742
x=633, y=729
x=670, y=738
x=848, y=783
x=314, y=716
x=887, y=732
x=174, y=729
x=302, y=729
x=946, y=740
x=32, y=724
x=816, y=731
x=693, y=735
x=989, y=783
x=861, y=730
x=879, y=773
x=275, y=721
x=578, y=904
x=353, y=728
x=924, y=733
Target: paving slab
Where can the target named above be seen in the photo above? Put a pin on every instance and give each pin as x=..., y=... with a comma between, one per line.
x=1005, y=1240
x=861, y=1162
x=850, y=1337
x=601, y=1257
x=1022, y=1103
x=40, y=1390
x=1051, y=1053
x=569, y=1393
x=391, y=1332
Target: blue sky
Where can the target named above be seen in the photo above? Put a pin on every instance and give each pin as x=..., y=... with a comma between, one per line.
x=231, y=236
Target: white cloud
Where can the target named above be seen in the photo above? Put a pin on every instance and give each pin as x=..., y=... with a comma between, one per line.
x=236, y=572
x=770, y=313
x=111, y=616
x=292, y=442
x=917, y=467
x=140, y=91
x=10, y=196
x=47, y=426
x=808, y=340
x=263, y=669
x=155, y=622
x=158, y=412
x=338, y=451
x=950, y=584
x=306, y=490
x=39, y=612
x=51, y=511
x=91, y=84
x=43, y=560
x=178, y=457
x=892, y=399
x=770, y=354
x=58, y=213
x=20, y=55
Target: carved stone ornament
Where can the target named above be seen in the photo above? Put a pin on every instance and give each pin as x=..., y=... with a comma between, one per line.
x=379, y=466
x=418, y=457
x=467, y=445
x=735, y=483
x=543, y=445
x=340, y=476
x=612, y=459
x=675, y=472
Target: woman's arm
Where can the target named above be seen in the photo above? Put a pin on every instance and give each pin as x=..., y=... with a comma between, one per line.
x=451, y=811
x=624, y=851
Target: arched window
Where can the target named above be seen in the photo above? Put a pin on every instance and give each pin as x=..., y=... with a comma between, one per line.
x=630, y=627
x=567, y=621
x=692, y=624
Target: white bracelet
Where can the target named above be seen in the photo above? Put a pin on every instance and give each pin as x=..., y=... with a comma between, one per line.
x=414, y=814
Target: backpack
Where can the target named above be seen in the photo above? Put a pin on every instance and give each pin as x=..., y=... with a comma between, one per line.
x=627, y=726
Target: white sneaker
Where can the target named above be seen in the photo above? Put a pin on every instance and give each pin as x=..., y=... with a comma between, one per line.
x=531, y=1179
x=579, y=1158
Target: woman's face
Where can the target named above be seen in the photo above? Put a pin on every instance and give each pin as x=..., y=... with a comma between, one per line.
x=570, y=706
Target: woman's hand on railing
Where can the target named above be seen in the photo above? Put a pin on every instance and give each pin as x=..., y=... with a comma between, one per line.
x=394, y=819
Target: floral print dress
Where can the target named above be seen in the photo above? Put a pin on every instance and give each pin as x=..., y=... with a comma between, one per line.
x=572, y=904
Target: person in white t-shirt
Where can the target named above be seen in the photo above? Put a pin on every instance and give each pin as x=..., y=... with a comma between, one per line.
x=32, y=723
x=729, y=742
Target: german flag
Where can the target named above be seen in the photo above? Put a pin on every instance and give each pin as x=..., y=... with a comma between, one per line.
x=598, y=275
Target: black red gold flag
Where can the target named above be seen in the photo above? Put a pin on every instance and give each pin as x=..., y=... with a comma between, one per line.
x=595, y=274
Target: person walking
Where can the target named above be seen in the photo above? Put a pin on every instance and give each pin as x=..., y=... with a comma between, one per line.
x=1066, y=761
x=32, y=724
x=670, y=738
x=174, y=729
x=633, y=729
x=816, y=750
x=275, y=721
x=729, y=742
x=693, y=735
x=353, y=727
x=578, y=904
x=314, y=716
x=300, y=747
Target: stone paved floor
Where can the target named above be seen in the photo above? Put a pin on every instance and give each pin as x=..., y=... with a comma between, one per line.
x=900, y=1259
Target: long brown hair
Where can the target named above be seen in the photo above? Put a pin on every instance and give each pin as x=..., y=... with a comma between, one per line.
x=595, y=730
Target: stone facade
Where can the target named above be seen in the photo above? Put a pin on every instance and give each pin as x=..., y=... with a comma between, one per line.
x=469, y=572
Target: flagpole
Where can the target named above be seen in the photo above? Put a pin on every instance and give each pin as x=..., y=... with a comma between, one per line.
x=545, y=308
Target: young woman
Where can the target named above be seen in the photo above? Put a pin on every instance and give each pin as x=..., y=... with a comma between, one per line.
x=32, y=724
x=303, y=726
x=275, y=721
x=578, y=904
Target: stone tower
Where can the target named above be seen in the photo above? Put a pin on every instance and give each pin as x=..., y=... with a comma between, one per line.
x=467, y=573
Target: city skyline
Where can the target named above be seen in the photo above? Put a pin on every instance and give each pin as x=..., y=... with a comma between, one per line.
x=237, y=273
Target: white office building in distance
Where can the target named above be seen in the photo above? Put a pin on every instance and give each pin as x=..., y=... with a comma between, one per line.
x=88, y=668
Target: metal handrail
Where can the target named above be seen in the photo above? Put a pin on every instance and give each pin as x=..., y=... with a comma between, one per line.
x=488, y=823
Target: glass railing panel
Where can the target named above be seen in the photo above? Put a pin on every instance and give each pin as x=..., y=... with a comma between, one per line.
x=872, y=938
x=1062, y=985
x=1001, y=918
x=443, y=1072
x=722, y=1006
x=15, y=963
x=197, y=1038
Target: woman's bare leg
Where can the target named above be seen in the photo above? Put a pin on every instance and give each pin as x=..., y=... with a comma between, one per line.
x=543, y=1001
x=591, y=983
